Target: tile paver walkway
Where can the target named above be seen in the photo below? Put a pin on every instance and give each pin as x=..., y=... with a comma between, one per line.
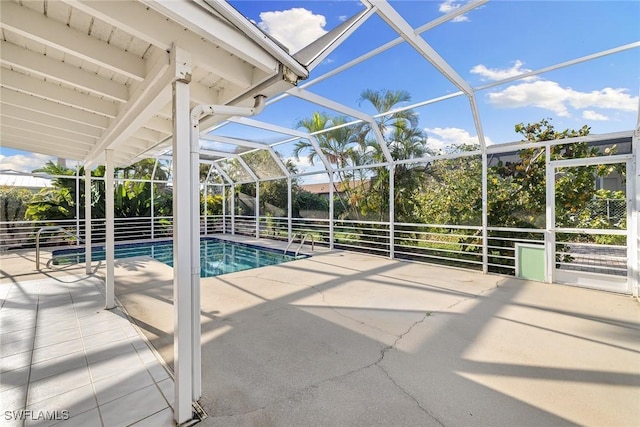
x=64, y=356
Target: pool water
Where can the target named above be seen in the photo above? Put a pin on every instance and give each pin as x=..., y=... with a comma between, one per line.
x=216, y=256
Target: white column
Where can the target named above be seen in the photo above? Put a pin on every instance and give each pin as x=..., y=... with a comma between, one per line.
x=109, y=230
x=87, y=218
x=392, y=209
x=633, y=232
x=550, y=233
x=233, y=209
x=196, y=357
x=331, y=209
x=257, y=209
x=289, y=208
x=224, y=209
x=485, y=211
x=182, y=295
x=206, y=206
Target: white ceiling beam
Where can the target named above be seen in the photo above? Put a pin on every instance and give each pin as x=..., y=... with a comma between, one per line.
x=49, y=121
x=11, y=122
x=149, y=135
x=45, y=66
x=137, y=19
x=35, y=26
x=53, y=92
x=159, y=124
x=402, y=27
x=146, y=100
x=42, y=106
x=44, y=139
x=67, y=152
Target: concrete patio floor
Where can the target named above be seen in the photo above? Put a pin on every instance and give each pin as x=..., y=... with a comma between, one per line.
x=344, y=338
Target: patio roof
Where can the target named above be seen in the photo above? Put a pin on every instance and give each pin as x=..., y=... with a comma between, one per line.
x=81, y=77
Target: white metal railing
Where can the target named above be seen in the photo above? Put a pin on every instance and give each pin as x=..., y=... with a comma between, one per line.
x=23, y=234
x=51, y=229
x=448, y=244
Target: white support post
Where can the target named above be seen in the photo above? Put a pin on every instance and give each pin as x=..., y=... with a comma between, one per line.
x=206, y=206
x=224, y=209
x=232, y=196
x=257, y=209
x=289, y=209
x=87, y=218
x=77, y=204
x=632, y=228
x=331, y=208
x=392, y=209
x=153, y=210
x=196, y=352
x=550, y=234
x=485, y=212
x=109, y=229
x=182, y=218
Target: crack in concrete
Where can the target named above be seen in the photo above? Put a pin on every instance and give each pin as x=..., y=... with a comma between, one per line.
x=383, y=352
x=335, y=310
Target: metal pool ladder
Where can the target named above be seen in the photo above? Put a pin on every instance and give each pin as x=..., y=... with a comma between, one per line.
x=303, y=237
x=50, y=229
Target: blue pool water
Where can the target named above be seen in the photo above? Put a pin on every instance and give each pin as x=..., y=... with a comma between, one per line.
x=216, y=256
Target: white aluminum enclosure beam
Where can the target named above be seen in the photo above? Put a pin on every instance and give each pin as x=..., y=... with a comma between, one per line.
x=250, y=144
x=35, y=26
x=328, y=103
x=253, y=32
x=45, y=66
x=560, y=65
x=287, y=131
x=222, y=173
x=402, y=27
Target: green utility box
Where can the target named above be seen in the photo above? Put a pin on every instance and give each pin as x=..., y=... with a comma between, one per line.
x=530, y=262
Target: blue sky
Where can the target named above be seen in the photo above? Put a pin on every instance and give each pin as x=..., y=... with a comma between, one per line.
x=496, y=40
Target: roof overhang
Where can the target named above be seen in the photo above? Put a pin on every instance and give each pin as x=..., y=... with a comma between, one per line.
x=80, y=77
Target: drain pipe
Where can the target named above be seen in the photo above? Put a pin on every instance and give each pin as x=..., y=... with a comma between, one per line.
x=197, y=113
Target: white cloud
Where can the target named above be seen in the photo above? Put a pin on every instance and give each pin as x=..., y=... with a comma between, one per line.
x=592, y=115
x=451, y=5
x=295, y=28
x=441, y=138
x=342, y=18
x=24, y=163
x=500, y=74
x=551, y=96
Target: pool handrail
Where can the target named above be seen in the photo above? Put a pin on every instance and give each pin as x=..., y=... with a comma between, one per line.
x=51, y=229
x=303, y=237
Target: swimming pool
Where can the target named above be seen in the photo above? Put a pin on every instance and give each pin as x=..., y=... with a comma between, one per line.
x=216, y=256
